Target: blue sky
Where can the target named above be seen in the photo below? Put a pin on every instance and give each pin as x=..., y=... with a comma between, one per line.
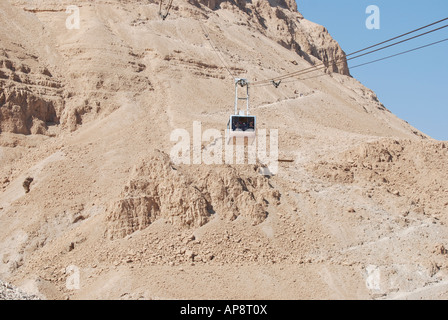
x=413, y=86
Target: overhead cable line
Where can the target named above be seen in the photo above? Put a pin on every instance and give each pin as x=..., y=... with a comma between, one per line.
x=399, y=54
x=168, y=7
x=394, y=44
x=367, y=63
x=216, y=49
x=323, y=65
x=339, y=60
x=397, y=37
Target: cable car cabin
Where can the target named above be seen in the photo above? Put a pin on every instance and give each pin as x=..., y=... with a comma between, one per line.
x=240, y=127
x=241, y=124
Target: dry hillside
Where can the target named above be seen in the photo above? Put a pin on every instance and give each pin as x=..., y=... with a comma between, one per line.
x=86, y=179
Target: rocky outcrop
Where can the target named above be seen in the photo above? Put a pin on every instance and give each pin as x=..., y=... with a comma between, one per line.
x=280, y=21
x=315, y=40
x=400, y=167
x=30, y=98
x=23, y=112
x=214, y=4
x=186, y=198
x=10, y=292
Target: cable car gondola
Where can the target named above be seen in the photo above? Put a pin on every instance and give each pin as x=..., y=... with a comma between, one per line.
x=241, y=124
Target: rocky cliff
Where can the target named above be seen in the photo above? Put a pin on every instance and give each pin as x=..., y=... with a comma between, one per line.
x=34, y=98
x=357, y=209
x=280, y=20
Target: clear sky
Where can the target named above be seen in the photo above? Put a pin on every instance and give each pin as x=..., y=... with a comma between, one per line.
x=413, y=86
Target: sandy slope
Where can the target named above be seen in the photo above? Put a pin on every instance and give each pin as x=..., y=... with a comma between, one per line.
x=360, y=213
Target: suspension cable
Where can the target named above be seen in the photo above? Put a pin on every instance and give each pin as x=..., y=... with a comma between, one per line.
x=364, y=64
x=341, y=59
x=216, y=49
x=164, y=16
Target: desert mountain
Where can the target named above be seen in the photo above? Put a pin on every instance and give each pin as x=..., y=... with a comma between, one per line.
x=87, y=183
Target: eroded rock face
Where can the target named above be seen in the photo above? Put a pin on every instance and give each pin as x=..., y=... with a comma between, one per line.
x=33, y=97
x=30, y=98
x=25, y=113
x=213, y=4
x=10, y=292
x=400, y=167
x=280, y=21
x=187, y=197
